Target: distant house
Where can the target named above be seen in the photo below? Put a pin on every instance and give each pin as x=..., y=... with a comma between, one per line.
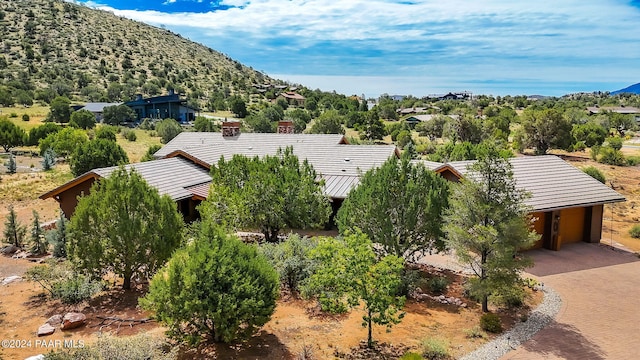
x=626, y=110
x=413, y=120
x=97, y=108
x=162, y=107
x=293, y=98
x=568, y=204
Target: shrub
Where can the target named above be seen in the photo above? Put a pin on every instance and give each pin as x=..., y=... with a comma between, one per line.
x=411, y=356
x=147, y=124
x=633, y=160
x=635, y=231
x=438, y=284
x=13, y=115
x=291, y=260
x=129, y=134
x=491, y=322
x=475, y=333
x=61, y=282
x=48, y=159
x=168, y=129
x=216, y=287
x=107, y=347
x=148, y=156
x=511, y=297
x=611, y=156
x=435, y=349
x=25, y=117
x=595, y=173
x=615, y=142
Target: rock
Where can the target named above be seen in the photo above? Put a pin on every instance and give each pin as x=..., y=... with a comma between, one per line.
x=36, y=357
x=46, y=329
x=73, y=320
x=20, y=255
x=10, y=279
x=55, y=320
x=9, y=249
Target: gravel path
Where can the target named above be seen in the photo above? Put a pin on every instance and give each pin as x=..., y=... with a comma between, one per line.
x=517, y=335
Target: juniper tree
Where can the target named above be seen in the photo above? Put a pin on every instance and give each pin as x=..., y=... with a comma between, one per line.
x=14, y=232
x=486, y=225
x=38, y=242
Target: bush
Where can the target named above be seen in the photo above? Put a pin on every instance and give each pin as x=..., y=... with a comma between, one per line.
x=438, y=284
x=475, y=333
x=61, y=282
x=511, y=297
x=435, y=349
x=291, y=260
x=107, y=347
x=411, y=356
x=595, y=173
x=635, y=231
x=217, y=287
x=168, y=129
x=13, y=115
x=129, y=134
x=148, y=156
x=25, y=117
x=147, y=124
x=611, y=156
x=491, y=322
x=633, y=160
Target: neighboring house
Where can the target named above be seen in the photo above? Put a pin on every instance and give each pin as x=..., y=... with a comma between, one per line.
x=183, y=168
x=97, y=108
x=626, y=110
x=568, y=204
x=293, y=98
x=163, y=107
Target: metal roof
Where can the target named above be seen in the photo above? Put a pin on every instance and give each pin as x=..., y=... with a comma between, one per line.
x=188, y=140
x=98, y=107
x=170, y=176
x=552, y=182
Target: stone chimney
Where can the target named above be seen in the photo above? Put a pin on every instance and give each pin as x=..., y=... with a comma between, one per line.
x=230, y=128
x=285, y=127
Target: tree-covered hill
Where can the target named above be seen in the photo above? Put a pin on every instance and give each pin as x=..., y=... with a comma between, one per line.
x=52, y=47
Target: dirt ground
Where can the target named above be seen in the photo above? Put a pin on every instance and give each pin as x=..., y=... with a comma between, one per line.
x=294, y=326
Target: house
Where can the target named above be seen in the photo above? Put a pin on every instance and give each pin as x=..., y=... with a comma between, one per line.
x=413, y=120
x=625, y=110
x=568, y=204
x=182, y=168
x=293, y=98
x=97, y=108
x=162, y=107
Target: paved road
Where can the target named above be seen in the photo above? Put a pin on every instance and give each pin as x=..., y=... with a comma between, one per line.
x=600, y=316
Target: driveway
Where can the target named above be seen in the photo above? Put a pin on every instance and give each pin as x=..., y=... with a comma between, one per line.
x=600, y=315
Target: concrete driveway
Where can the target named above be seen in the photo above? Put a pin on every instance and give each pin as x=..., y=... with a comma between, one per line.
x=600, y=315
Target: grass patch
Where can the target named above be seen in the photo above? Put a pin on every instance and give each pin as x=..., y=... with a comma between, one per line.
x=28, y=186
x=37, y=114
x=136, y=149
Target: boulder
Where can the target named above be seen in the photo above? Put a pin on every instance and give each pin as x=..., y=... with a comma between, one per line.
x=9, y=249
x=55, y=320
x=10, y=279
x=46, y=329
x=73, y=320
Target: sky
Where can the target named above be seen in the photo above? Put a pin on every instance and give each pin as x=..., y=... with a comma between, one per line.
x=416, y=47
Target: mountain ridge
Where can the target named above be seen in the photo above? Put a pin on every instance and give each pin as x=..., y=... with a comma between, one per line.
x=632, y=89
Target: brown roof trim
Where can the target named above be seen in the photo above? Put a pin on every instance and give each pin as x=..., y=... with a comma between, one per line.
x=453, y=170
x=584, y=205
x=188, y=156
x=64, y=187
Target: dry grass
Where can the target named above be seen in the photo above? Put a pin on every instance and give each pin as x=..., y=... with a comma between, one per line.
x=36, y=114
x=136, y=149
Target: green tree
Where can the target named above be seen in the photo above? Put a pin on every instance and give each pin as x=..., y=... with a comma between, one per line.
x=107, y=132
x=97, y=153
x=595, y=173
x=14, y=232
x=271, y=193
x=620, y=122
x=237, y=106
x=64, y=142
x=590, y=133
x=117, y=114
x=58, y=237
x=398, y=205
x=11, y=135
x=203, y=124
x=41, y=132
x=148, y=156
x=60, y=110
x=372, y=128
x=38, y=242
x=348, y=272
x=12, y=167
x=143, y=228
x=330, y=122
x=48, y=159
x=260, y=123
x=434, y=127
x=83, y=119
x=487, y=223
x=216, y=287
x=168, y=129
x=545, y=129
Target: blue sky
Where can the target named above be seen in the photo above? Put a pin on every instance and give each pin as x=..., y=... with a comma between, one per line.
x=418, y=47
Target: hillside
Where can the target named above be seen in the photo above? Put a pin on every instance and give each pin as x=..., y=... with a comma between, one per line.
x=632, y=89
x=52, y=47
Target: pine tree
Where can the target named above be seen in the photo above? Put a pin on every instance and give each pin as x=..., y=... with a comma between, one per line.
x=12, y=167
x=48, y=159
x=38, y=243
x=13, y=231
x=58, y=237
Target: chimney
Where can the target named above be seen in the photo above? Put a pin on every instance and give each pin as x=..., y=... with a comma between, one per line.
x=285, y=127
x=171, y=92
x=230, y=128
